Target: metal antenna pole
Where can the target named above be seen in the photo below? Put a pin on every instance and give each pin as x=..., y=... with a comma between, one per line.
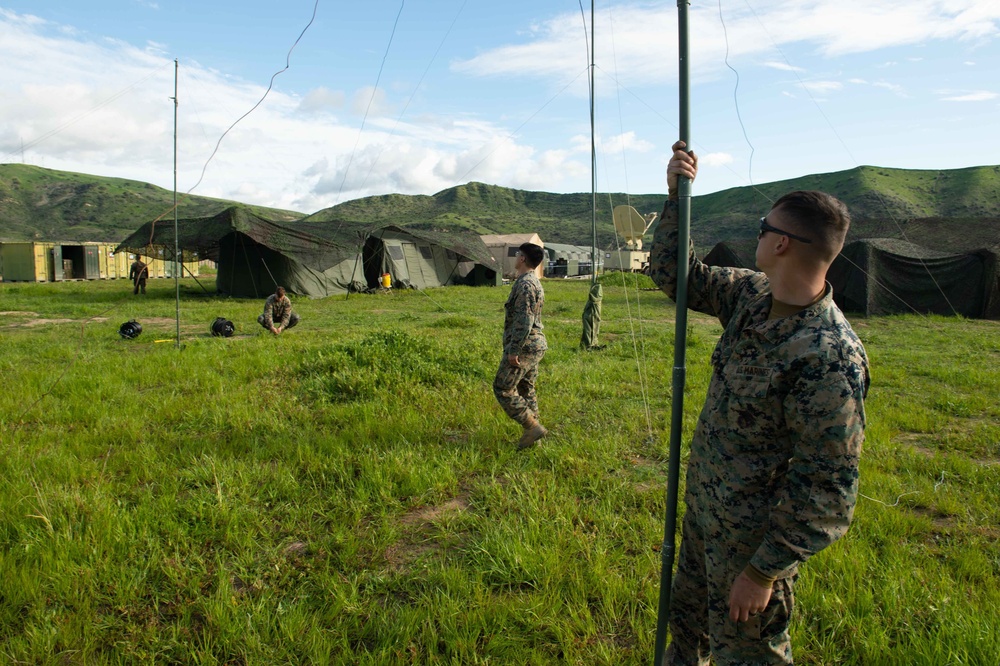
x=680, y=345
x=593, y=158
x=177, y=259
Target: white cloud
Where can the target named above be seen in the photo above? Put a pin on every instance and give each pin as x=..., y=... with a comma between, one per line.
x=102, y=107
x=822, y=87
x=371, y=102
x=625, y=142
x=977, y=96
x=782, y=66
x=322, y=100
x=715, y=159
x=644, y=36
x=891, y=87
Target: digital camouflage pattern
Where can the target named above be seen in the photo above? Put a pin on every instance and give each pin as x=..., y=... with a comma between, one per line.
x=773, y=472
x=522, y=325
x=514, y=386
x=276, y=310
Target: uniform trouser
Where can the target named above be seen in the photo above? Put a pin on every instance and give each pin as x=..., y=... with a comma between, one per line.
x=700, y=627
x=293, y=319
x=140, y=284
x=514, y=387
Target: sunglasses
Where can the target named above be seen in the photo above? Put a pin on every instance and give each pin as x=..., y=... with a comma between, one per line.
x=765, y=227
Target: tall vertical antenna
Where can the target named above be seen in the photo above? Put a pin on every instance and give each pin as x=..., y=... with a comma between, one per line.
x=177, y=259
x=680, y=342
x=593, y=157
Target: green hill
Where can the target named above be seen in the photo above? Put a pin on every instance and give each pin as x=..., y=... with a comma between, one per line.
x=42, y=204
x=958, y=208
x=947, y=209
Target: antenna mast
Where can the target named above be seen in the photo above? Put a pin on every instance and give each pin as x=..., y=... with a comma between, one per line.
x=177, y=259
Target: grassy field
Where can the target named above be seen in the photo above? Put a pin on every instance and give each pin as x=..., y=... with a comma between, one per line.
x=349, y=493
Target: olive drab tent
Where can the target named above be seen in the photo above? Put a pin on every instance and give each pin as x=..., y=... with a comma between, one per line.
x=255, y=255
x=879, y=276
x=504, y=249
x=419, y=259
x=876, y=276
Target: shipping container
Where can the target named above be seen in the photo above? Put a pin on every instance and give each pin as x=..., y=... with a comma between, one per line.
x=24, y=262
x=58, y=261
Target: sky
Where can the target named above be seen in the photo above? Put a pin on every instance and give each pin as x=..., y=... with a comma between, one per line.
x=415, y=97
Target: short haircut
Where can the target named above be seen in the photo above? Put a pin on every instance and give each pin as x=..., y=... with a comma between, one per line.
x=820, y=217
x=533, y=254
x=279, y=292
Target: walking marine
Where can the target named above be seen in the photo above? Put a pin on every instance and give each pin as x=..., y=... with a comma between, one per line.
x=138, y=273
x=278, y=315
x=773, y=473
x=523, y=346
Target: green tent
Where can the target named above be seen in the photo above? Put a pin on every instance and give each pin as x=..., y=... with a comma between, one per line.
x=876, y=276
x=318, y=259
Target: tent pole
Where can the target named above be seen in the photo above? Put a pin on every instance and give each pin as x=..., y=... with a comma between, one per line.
x=593, y=158
x=680, y=344
x=177, y=260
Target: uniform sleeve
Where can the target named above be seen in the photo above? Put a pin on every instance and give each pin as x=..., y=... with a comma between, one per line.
x=268, y=317
x=826, y=415
x=523, y=307
x=286, y=312
x=711, y=290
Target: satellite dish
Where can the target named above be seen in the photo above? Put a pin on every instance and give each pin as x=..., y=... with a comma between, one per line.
x=631, y=226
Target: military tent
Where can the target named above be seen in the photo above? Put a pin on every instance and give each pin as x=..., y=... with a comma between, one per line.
x=740, y=253
x=569, y=260
x=883, y=276
x=418, y=258
x=875, y=276
x=318, y=259
x=504, y=249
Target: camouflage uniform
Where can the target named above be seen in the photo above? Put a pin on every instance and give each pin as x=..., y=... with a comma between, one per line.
x=278, y=310
x=514, y=386
x=138, y=273
x=773, y=473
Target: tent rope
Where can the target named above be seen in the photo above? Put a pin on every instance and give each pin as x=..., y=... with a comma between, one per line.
x=638, y=344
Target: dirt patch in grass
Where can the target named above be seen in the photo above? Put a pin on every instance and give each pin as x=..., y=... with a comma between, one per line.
x=941, y=520
x=420, y=540
x=920, y=442
x=426, y=515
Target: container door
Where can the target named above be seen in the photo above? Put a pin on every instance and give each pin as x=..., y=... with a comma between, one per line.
x=92, y=262
x=40, y=263
x=56, y=274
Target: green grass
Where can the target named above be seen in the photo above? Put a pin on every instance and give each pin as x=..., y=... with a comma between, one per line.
x=349, y=493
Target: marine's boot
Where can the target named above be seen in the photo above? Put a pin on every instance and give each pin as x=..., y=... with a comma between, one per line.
x=533, y=431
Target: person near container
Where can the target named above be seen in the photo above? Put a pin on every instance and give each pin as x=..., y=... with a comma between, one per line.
x=278, y=315
x=772, y=477
x=524, y=346
x=138, y=273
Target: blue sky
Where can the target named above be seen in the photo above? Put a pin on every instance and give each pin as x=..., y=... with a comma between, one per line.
x=491, y=92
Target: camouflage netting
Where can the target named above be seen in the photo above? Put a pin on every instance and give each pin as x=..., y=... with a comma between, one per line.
x=205, y=235
x=317, y=259
x=884, y=275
